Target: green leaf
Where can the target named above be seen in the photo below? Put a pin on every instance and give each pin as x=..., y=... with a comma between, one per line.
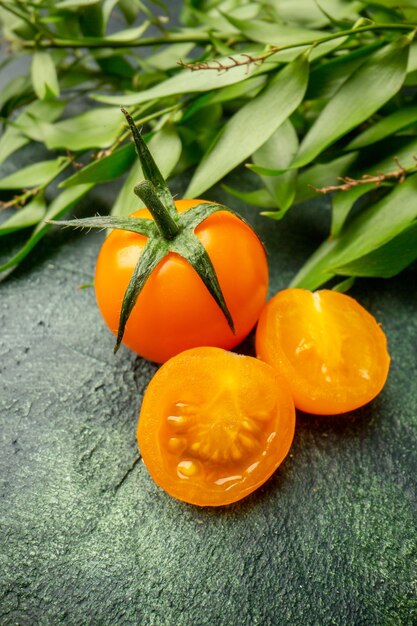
x=104, y=169
x=322, y=175
x=44, y=76
x=312, y=14
x=29, y=124
x=272, y=33
x=373, y=84
x=96, y=128
x=233, y=92
x=62, y=203
x=384, y=128
x=280, y=149
x=127, y=201
x=250, y=127
x=108, y=6
x=14, y=88
x=371, y=229
x=10, y=141
x=328, y=77
x=168, y=57
x=128, y=35
x=33, y=175
x=342, y=202
x=259, y=197
x=344, y=285
x=387, y=260
x=30, y=215
x=186, y=82
x=190, y=248
x=166, y=147
x=75, y=4
x=152, y=254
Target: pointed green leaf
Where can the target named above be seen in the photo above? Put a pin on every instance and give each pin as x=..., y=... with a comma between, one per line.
x=252, y=125
x=384, y=128
x=62, y=203
x=152, y=254
x=188, y=81
x=13, y=89
x=30, y=215
x=127, y=202
x=166, y=147
x=322, y=175
x=272, y=33
x=193, y=217
x=128, y=35
x=150, y=169
x=108, y=6
x=44, y=76
x=11, y=140
x=373, y=84
x=33, y=175
x=104, y=169
x=190, y=248
x=280, y=149
x=259, y=197
x=97, y=128
x=344, y=285
x=168, y=57
x=387, y=260
x=138, y=225
x=239, y=90
x=35, y=112
x=371, y=229
x=328, y=77
x=75, y=4
x=342, y=203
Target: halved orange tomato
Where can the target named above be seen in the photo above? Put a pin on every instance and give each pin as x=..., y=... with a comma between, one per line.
x=214, y=425
x=331, y=351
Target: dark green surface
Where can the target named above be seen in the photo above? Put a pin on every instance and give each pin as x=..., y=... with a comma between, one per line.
x=87, y=538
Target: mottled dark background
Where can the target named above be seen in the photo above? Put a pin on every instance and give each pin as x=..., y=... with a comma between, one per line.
x=87, y=538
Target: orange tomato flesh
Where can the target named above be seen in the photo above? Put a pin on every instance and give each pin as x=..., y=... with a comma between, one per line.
x=214, y=425
x=175, y=311
x=331, y=351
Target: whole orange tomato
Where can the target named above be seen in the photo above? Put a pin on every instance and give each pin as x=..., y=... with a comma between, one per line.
x=175, y=310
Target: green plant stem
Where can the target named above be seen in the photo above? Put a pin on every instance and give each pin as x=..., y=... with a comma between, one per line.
x=144, y=120
x=100, y=42
x=202, y=37
x=166, y=224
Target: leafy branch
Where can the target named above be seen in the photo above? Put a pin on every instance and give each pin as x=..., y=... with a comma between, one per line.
x=314, y=105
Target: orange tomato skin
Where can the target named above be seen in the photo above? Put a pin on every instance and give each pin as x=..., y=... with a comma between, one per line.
x=332, y=352
x=214, y=425
x=175, y=311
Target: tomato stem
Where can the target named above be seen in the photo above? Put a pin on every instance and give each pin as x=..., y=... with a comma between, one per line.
x=150, y=169
x=166, y=224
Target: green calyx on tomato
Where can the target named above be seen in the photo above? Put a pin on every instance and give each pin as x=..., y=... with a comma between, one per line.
x=169, y=232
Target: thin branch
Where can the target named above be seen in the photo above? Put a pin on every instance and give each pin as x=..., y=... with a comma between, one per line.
x=220, y=66
x=348, y=183
x=19, y=201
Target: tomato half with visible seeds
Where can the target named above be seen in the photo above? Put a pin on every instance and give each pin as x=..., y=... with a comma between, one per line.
x=175, y=311
x=214, y=425
x=332, y=352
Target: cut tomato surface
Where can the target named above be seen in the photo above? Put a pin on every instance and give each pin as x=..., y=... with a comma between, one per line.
x=332, y=352
x=214, y=425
